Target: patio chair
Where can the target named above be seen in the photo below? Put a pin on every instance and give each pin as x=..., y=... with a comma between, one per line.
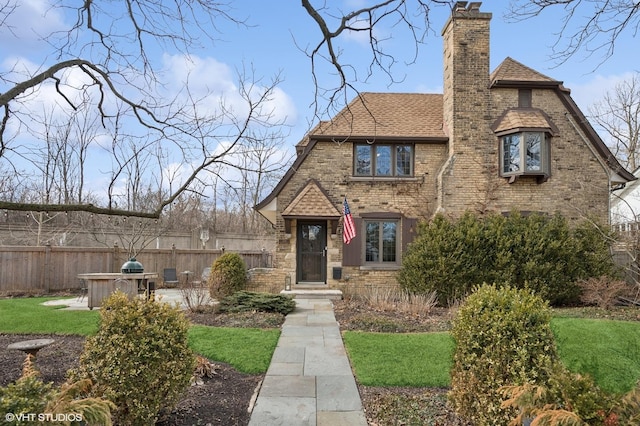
x=84, y=290
x=170, y=277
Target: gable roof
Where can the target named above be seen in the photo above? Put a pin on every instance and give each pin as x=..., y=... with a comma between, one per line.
x=419, y=117
x=311, y=201
x=384, y=116
x=387, y=115
x=513, y=71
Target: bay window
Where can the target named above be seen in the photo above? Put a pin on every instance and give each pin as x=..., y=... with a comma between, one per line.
x=525, y=153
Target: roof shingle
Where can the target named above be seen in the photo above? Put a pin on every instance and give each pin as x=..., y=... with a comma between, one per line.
x=387, y=115
x=512, y=70
x=312, y=201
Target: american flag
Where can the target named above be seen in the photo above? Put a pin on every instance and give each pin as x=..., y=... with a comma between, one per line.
x=349, y=227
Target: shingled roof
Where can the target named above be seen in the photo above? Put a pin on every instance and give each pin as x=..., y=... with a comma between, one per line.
x=513, y=71
x=387, y=115
x=312, y=201
x=523, y=118
x=419, y=117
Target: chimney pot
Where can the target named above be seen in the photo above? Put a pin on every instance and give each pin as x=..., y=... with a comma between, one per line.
x=460, y=6
x=474, y=6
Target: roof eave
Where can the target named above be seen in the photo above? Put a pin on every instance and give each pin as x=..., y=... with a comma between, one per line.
x=382, y=139
x=525, y=83
x=600, y=147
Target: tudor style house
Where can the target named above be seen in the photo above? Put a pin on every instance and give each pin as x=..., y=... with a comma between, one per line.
x=492, y=142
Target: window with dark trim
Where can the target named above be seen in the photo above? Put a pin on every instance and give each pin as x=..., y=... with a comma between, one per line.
x=381, y=241
x=385, y=160
x=524, y=98
x=525, y=153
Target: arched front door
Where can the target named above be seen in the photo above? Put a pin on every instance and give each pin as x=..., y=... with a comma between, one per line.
x=311, y=265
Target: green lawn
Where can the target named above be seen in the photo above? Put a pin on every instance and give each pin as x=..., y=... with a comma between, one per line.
x=607, y=350
x=248, y=350
x=386, y=359
x=30, y=316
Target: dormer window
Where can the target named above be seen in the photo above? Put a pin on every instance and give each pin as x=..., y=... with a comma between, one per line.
x=525, y=153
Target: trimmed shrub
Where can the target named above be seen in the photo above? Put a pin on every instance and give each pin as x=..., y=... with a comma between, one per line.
x=139, y=358
x=503, y=337
x=228, y=275
x=446, y=257
x=245, y=301
x=540, y=253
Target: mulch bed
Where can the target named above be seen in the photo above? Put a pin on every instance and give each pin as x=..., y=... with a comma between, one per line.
x=222, y=399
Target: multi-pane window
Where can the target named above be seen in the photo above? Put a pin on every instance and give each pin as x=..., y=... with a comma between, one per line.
x=525, y=153
x=381, y=240
x=383, y=160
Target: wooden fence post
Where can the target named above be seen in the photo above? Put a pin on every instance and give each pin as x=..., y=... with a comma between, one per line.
x=115, y=267
x=47, y=268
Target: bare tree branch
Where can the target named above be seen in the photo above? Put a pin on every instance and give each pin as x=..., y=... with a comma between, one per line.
x=618, y=114
x=404, y=15
x=598, y=24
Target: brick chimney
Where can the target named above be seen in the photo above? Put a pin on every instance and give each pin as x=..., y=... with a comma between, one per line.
x=466, y=104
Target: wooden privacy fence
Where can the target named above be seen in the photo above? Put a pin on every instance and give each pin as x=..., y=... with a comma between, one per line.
x=49, y=269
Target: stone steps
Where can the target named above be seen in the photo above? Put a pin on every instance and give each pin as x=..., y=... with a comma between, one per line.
x=330, y=294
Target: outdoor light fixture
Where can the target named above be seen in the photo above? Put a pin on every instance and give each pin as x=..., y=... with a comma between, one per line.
x=287, y=283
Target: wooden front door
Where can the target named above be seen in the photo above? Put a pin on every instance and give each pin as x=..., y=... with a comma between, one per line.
x=311, y=265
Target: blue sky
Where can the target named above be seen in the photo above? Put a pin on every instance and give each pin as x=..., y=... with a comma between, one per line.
x=269, y=45
x=274, y=28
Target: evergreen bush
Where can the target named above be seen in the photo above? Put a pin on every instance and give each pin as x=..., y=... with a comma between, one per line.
x=29, y=398
x=28, y=395
x=503, y=338
x=541, y=253
x=245, y=301
x=139, y=358
x=228, y=275
x=566, y=399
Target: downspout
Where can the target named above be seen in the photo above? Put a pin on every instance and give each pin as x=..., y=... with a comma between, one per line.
x=440, y=180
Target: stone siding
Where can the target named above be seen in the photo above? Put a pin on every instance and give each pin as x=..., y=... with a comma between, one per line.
x=330, y=164
x=457, y=176
x=578, y=185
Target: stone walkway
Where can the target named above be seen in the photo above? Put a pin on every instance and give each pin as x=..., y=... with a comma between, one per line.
x=309, y=381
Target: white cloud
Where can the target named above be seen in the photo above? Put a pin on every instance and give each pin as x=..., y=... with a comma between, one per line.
x=594, y=88
x=203, y=74
x=215, y=84
x=29, y=24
